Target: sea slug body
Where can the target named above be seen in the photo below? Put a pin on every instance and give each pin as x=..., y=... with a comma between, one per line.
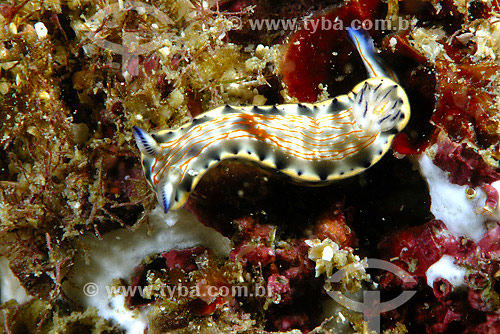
x=311, y=143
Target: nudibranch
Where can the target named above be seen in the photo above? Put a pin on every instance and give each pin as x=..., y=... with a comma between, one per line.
x=314, y=144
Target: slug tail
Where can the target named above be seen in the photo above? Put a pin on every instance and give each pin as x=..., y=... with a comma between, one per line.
x=165, y=192
x=146, y=143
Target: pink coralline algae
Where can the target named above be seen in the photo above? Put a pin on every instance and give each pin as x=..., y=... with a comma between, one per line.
x=183, y=259
x=284, y=268
x=178, y=265
x=470, y=306
x=464, y=165
x=333, y=225
x=255, y=246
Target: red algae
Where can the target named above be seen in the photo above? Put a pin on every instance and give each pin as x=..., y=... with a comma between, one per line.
x=416, y=249
x=325, y=56
x=333, y=225
x=465, y=110
x=464, y=165
x=184, y=259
